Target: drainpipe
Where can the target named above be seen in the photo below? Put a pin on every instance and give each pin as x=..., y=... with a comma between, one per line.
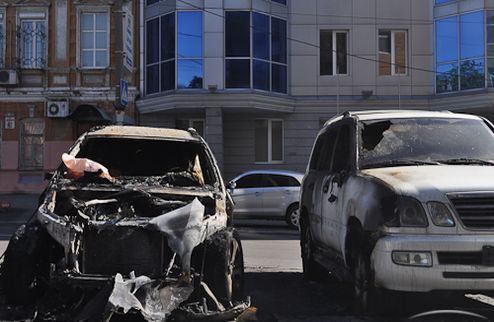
x=141, y=47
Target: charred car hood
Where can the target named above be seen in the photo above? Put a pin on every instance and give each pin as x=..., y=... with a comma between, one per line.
x=433, y=182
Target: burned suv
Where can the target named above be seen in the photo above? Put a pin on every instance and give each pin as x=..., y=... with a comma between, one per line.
x=135, y=220
x=400, y=200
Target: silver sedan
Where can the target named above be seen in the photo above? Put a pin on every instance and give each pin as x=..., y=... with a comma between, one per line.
x=267, y=194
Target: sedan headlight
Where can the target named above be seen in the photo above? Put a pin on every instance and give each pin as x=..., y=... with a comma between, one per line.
x=440, y=214
x=410, y=213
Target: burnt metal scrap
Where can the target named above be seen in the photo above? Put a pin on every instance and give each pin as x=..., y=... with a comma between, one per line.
x=99, y=245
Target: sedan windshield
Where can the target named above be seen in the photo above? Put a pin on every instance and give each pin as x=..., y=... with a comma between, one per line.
x=423, y=141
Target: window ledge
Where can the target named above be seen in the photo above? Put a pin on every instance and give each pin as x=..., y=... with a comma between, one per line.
x=271, y=162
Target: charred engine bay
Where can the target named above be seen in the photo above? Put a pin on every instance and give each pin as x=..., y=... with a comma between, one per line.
x=91, y=252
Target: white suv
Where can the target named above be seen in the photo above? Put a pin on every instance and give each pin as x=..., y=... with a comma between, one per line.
x=401, y=200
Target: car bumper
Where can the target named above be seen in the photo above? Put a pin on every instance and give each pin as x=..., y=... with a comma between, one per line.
x=457, y=274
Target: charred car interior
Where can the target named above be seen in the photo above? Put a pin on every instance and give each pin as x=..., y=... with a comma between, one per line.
x=146, y=231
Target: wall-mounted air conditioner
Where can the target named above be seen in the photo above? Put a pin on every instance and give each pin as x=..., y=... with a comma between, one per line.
x=8, y=77
x=57, y=108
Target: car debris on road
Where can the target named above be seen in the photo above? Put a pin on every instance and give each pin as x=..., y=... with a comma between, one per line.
x=134, y=221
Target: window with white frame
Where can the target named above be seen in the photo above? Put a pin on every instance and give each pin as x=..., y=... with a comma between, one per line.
x=33, y=40
x=185, y=124
x=268, y=141
x=392, y=52
x=94, y=39
x=333, y=52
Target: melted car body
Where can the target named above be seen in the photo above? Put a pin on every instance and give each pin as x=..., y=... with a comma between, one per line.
x=147, y=233
x=402, y=201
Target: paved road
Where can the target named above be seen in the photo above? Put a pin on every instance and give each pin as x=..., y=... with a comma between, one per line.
x=275, y=283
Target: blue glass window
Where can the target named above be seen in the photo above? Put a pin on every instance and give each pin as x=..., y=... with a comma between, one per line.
x=490, y=48
x=150, y=2
x=280, y=1
x=189, y=73
x=472, y=35
x=443, y=1
x=189, y=50
x=447, y=39
x=174, y=57
x=189, y=41
x=279, y=78
x=460, y=63
x=447, y=78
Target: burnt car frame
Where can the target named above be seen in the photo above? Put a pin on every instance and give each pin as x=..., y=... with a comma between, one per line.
x=400, y=201
x=154, y=238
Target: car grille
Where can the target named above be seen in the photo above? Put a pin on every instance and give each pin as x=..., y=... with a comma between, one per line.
x=476, y=212
x=123, y=250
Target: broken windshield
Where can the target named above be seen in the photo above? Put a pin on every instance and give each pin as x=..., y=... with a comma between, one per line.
x=157, y=162
x=424, y=141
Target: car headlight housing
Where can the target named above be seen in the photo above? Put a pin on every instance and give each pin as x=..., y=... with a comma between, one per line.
x=440, y=214
x=408, y=213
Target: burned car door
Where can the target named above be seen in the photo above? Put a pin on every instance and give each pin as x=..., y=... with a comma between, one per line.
x=331, y=201
x=320, y=170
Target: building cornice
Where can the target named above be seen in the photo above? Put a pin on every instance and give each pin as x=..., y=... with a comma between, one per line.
x=28, y=3
x=237, y=101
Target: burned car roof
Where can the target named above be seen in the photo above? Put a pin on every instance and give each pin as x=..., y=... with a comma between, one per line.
x=143, y=132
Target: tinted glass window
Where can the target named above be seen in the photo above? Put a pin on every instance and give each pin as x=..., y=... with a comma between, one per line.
x=260, y=71
x=237, y=73
x=250, y=181
x=472, y=35
x=447, y=39
x=279, y=78
x=189, y=73
x=260, y=36
x=152, y=79
x=189, y=35
x=277, y=180
x=167, y=76
x=167, y=37
x=326, y=52
x=323, y=151
x=237, y=33
x=278, y=40
x=342, y=152
x=152, y=41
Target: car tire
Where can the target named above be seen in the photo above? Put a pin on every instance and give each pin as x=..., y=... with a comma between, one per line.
x=23, y=265
x=224, y=266
x=313, y=271
x=292, y=216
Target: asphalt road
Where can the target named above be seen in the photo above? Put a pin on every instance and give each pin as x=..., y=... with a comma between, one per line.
x=274, y=280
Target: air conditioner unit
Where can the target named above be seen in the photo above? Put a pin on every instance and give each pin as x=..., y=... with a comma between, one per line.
x=57, y=108
x=8, y=77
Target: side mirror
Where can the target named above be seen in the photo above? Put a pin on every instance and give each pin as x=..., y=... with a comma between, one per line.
x=49, y=175
x=231, y=185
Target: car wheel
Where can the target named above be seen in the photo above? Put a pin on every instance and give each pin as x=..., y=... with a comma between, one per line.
x=293, y=216
x=367, y=299
x=312, y=270
x=224, y=266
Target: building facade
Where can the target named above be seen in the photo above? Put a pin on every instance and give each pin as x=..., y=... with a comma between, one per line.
x=61, y=66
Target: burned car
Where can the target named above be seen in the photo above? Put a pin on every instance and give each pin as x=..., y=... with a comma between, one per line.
x=400, y=201
x=136, y=220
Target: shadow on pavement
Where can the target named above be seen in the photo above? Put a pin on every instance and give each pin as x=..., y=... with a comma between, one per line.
x=289, y=297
